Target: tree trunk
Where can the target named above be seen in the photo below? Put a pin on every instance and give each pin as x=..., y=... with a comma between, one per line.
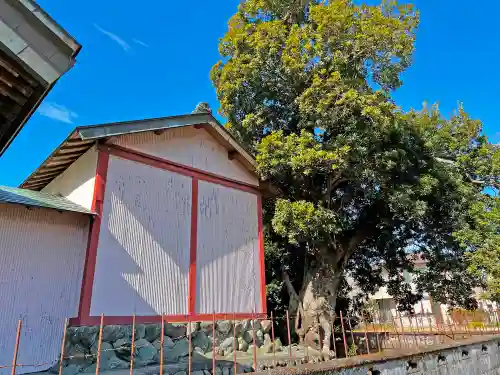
x=314, y=305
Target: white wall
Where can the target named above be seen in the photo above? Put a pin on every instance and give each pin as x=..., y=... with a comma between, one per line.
x=388, y=314
x=42, y=253
x=143, y=253
x=227, y=262
x=189, y=146
x=77, y=182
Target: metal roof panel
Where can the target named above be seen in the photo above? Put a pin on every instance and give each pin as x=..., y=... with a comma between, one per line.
x=38, y=199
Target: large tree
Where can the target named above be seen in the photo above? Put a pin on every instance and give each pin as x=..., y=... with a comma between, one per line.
x=361, y=183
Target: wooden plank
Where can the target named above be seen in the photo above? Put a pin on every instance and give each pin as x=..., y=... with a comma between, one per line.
x=16, y=70
x=11, y=93
x=11, y=81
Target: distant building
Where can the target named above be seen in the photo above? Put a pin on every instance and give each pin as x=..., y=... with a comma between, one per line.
x=150, y=217
x=34, y=53
x=428, y=312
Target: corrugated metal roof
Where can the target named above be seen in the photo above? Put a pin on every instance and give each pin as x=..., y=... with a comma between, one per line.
x=82, y=139
x=38, y=199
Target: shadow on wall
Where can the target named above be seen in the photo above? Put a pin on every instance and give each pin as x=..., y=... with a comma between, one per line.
x=144, y=245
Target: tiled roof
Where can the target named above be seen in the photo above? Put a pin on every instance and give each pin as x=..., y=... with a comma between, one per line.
x=38, y=199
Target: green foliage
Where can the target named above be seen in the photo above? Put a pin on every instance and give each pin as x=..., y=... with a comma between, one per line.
x=307, y=84
x=481, y=238
x=476, y=325
x=352, y=351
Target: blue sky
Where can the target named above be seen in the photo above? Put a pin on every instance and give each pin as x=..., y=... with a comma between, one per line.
x=152, y=58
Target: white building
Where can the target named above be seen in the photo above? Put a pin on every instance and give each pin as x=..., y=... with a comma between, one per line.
x=151, y=217
x=427, y=312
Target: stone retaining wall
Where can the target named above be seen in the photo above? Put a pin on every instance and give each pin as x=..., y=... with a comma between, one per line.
x=475, y=355
x=472, y=356
x=81, y=344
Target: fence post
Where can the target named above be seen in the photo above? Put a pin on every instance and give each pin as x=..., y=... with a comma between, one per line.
x=289, y=334
x=254, y=343
x=190, y=345
x=343, y=334
x=450, y=326
x=383, y=325
x=429, y=321
x=98, y=362
x=63, y=344
x=272, y=339
x=234, y=342
x=162, y=342
x=394, y=324
x=495, y=319
x=132, y=346
x=352, y=334
x=412, y=331
x=16, y=347
x=375, y=332
x=333, y=334
x=366, y=337
x=213, y=343
x=403, y=331
x=417, y=330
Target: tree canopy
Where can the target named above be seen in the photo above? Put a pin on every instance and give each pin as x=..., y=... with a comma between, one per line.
x=481, y=235
x=363, y=184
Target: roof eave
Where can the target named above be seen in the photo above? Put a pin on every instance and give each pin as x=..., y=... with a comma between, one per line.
x=82, y=138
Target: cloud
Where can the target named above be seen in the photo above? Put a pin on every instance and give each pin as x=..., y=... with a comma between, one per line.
x=126, y=47
x=57, y=112
x=140, y=42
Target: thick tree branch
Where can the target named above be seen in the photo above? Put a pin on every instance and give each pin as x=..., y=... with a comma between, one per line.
x=362, y=233
x=289, y=286
x=337, y=183
x=365, y=228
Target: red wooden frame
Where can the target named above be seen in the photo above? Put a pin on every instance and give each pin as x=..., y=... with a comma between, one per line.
x=104, y=151
x=193, y=247
x=185, y=170
x=93, y=242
